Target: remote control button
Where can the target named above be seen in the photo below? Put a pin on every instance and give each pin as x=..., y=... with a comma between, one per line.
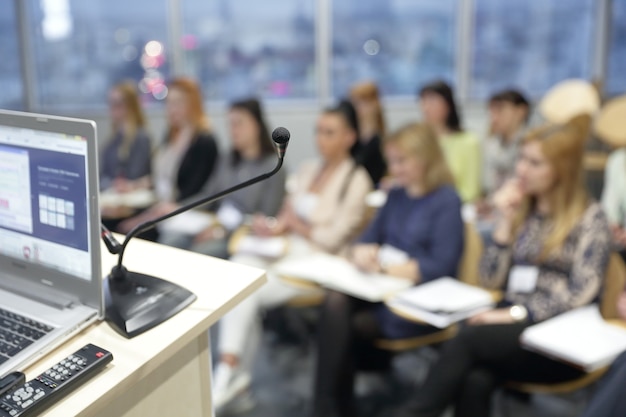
x=38, y=396
x=27, y=403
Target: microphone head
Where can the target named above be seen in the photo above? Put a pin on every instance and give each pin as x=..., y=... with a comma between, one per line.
x=281, y=136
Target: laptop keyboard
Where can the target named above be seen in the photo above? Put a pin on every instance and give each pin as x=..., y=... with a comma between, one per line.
x=17, y=332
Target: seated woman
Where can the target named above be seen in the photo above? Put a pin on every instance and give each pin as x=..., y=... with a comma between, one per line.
x=461, y=148
x=417, y=235
x=550, y=252
x=125, y=159
x=252, y=154
x=614, y=198
x=609, y=399
x=322, y=212
x=186, y=160
x=367, y=151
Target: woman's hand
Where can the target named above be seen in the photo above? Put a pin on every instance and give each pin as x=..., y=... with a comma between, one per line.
x=365, y=257
x=153, y=212
x=497, y=316
x=506, y=202
x=619, y=235
x=210, y=233
x=267, y=226
x=407, y=270
x=621, y=305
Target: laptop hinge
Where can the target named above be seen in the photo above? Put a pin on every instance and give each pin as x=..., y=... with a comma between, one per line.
x=52, y=297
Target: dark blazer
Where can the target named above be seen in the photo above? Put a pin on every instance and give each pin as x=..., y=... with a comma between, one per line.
x=370, y=156
x=197, y=165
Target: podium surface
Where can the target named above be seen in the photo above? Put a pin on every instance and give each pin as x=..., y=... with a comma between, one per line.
x=166, y=370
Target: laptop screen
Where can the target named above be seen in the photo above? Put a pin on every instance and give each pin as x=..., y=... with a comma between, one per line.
x=43, y=200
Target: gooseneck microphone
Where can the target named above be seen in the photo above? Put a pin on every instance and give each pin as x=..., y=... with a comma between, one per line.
x=281, y=136
x=137, y=302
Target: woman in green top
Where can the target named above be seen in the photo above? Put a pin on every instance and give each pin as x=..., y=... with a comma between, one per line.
x=461, y=148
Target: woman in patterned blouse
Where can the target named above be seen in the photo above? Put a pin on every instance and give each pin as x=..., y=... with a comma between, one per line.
x=549, y=254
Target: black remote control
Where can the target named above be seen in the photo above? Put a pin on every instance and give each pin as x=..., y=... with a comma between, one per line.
x=32, y=397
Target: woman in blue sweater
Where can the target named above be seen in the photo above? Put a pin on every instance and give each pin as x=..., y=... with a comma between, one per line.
x=418, y=236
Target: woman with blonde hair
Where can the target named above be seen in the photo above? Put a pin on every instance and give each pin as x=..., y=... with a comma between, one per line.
x=550, y=250
x=187, y=157
x=125, y=160
x=418, y=236
x=367, y=151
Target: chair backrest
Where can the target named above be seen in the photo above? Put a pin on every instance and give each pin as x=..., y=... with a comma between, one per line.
x=472, y=252
x=613, y=286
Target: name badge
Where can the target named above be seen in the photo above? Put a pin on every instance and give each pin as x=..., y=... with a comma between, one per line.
x=523, y=279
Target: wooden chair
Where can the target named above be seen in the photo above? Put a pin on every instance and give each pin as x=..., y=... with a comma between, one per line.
x=467, y=272
x=613, y=286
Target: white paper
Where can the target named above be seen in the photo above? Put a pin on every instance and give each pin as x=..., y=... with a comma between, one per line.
x=229, y=216
x=447, y=295
x=188, y=223
x=580, y=337
x=269, y=247
x=523, y=279
x=443, y=301
x=338, y=274
x=132, y=199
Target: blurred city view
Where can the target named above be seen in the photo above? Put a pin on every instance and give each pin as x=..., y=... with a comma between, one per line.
x=77, y=49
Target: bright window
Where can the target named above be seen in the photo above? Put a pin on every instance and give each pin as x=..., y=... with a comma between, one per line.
x=530, y=44
x=400, y=44
x=10, y=70
x=82, y=48
x=616, y=79
x=240, y=48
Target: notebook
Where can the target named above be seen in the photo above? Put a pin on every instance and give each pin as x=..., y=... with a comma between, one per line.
x=442, y=302
x=338, y=274
x=580, y=337
x=50, y=265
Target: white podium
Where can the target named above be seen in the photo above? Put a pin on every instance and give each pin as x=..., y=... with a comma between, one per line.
x=165, y=371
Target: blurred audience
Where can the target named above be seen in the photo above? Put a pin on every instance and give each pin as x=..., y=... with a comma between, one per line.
x=509, y=111
x=185, y=161
x=550, y=251
x=609, y=399
x=126, y=158
x=461, y=148
x=417, y=235
x=367, y=150
x=614, y=197
x=323, y=212
x=252, y=154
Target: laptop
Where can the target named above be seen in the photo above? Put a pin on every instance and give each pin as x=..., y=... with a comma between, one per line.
x=50, y=265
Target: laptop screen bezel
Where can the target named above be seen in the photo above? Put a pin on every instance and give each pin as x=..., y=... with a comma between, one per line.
x=45, y=282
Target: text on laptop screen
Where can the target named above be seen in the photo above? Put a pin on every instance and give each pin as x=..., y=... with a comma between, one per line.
x=43, y=199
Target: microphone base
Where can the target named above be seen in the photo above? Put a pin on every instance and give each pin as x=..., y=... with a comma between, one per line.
x=137, y=302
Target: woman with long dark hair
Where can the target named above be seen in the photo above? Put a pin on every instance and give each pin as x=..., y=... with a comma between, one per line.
x=461, y=148
x=252, y=153
x=322, y=212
